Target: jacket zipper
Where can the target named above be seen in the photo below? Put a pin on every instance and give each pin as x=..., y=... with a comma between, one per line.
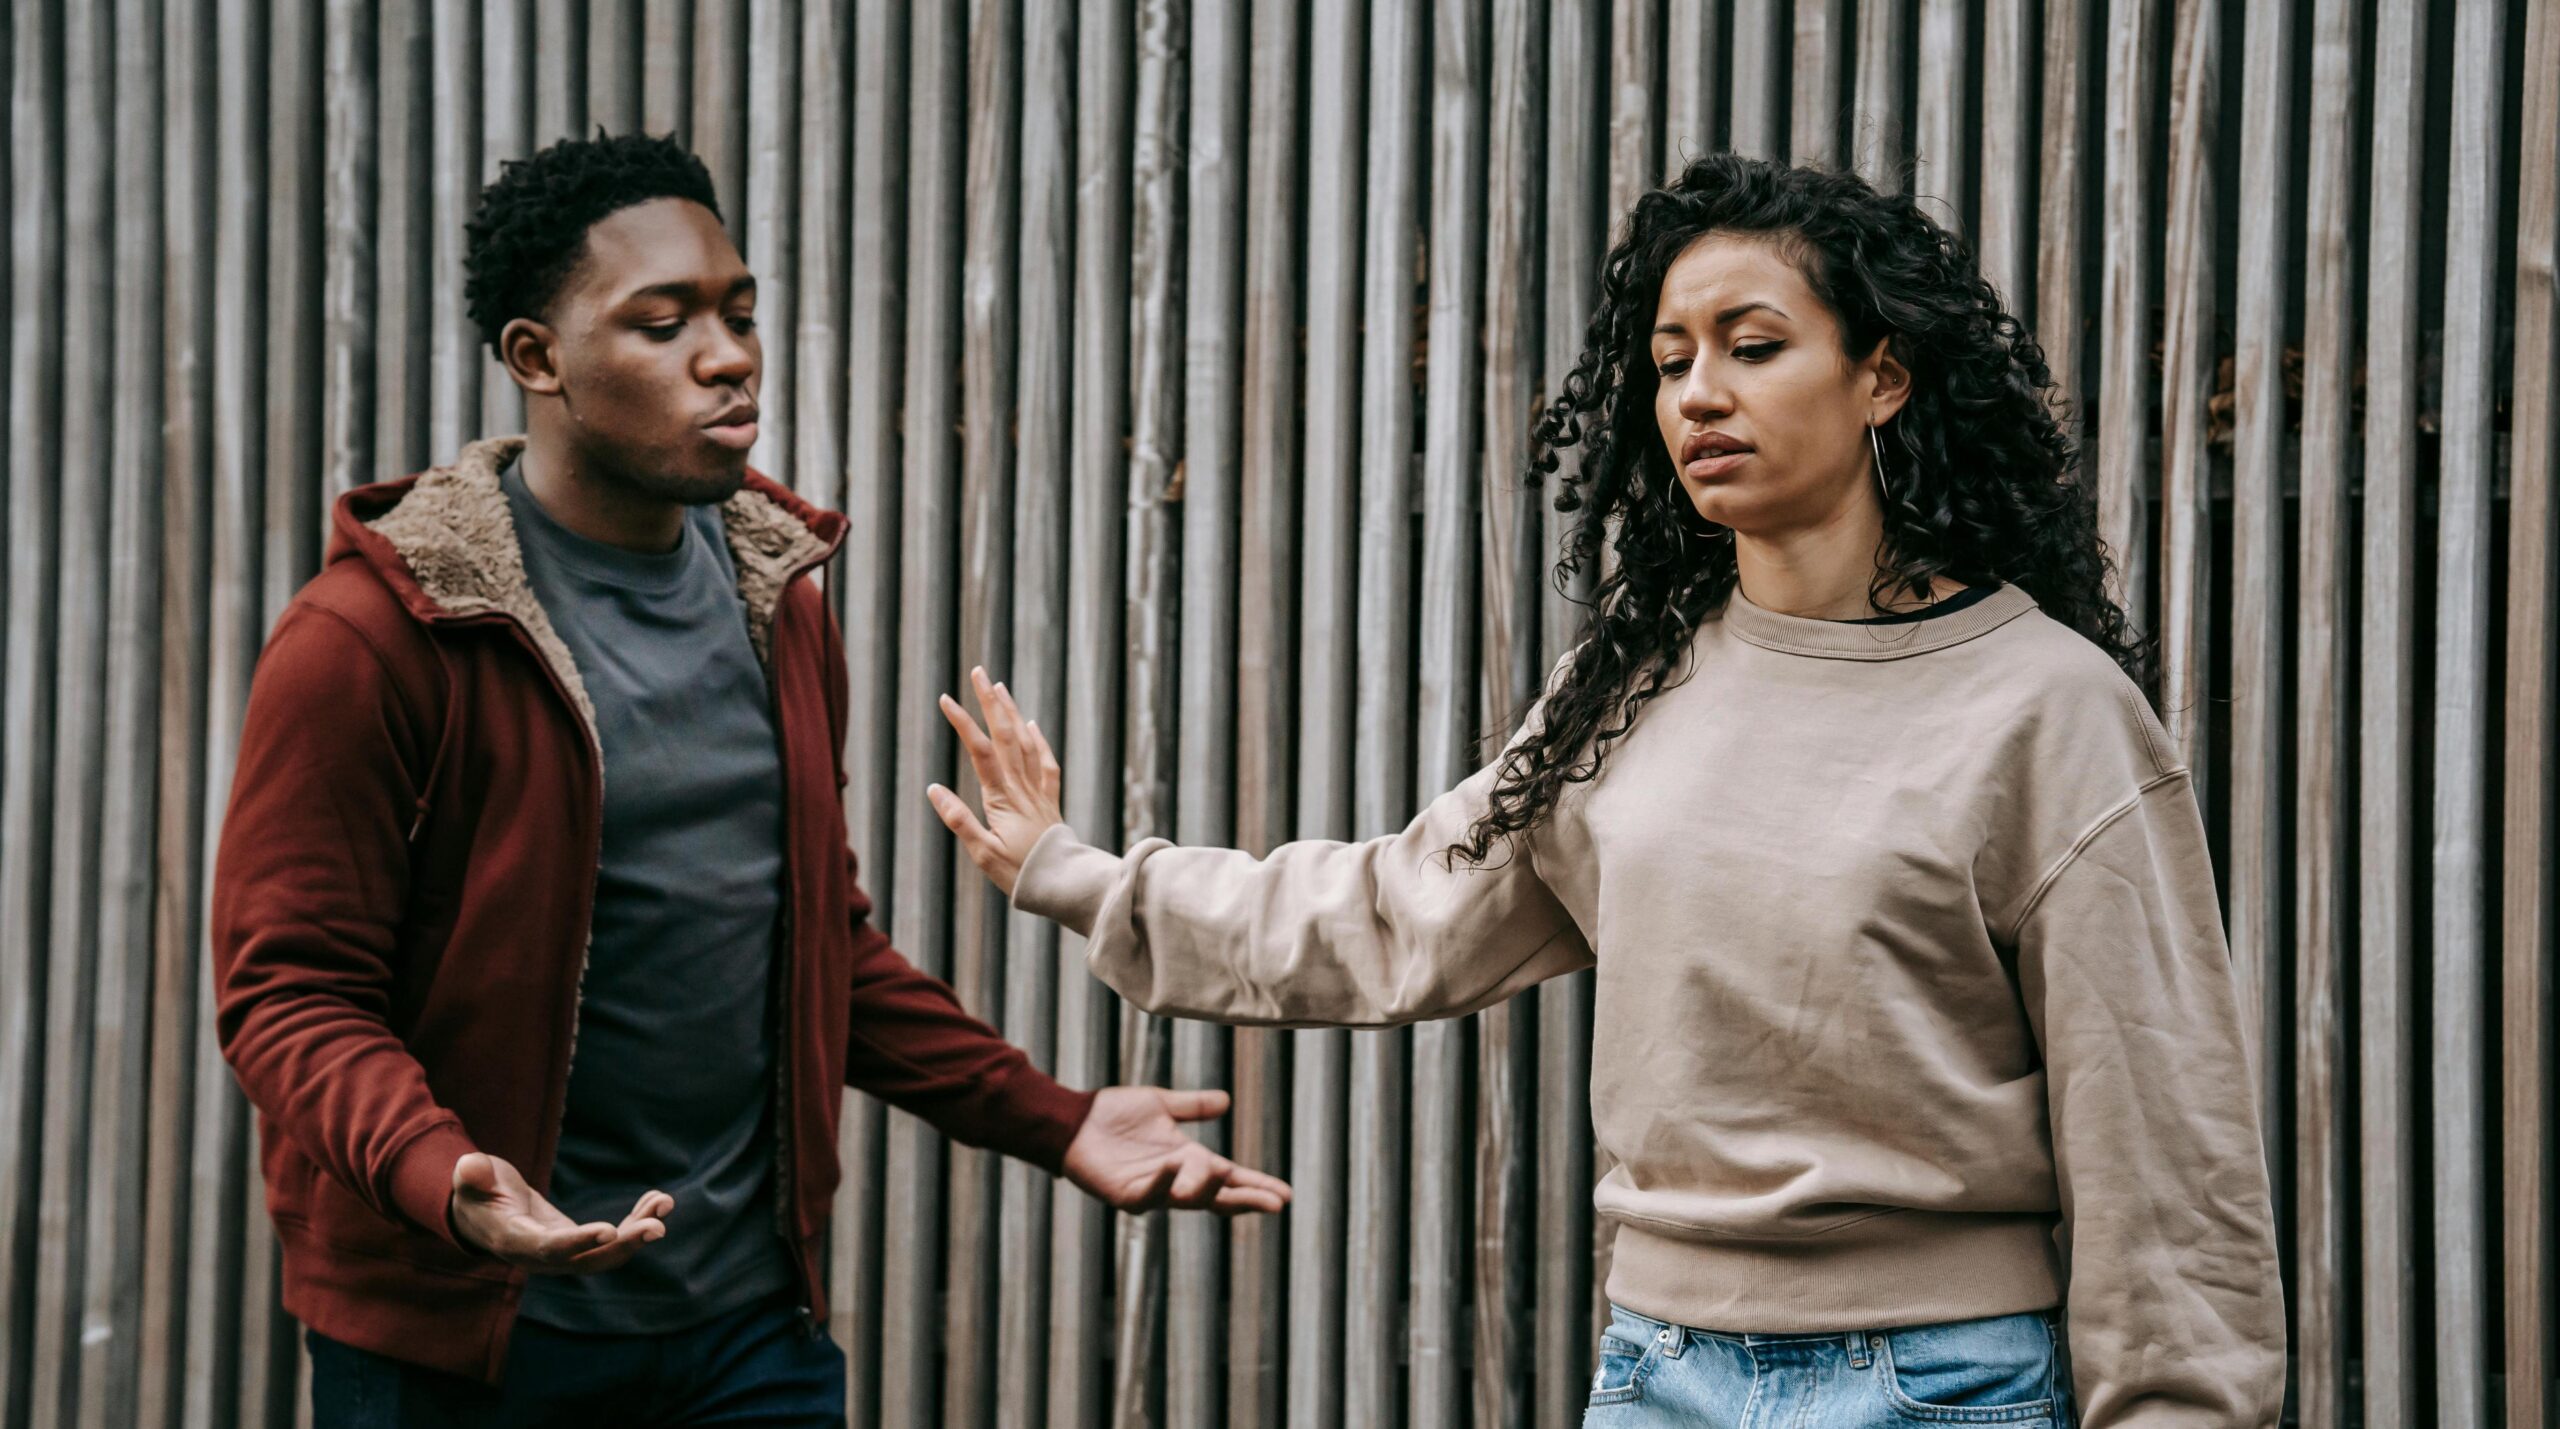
x=786, y=1199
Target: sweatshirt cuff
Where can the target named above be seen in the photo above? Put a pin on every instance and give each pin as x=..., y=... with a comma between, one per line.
x=1065, y=880
x=1035, y=1116
x=422, y=1179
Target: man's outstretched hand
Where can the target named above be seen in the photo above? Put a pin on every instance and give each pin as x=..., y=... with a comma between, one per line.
x=1132, y=1154
x=495, y=1211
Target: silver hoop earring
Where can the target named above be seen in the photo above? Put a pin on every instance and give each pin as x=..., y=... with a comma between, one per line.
x=1876, y=445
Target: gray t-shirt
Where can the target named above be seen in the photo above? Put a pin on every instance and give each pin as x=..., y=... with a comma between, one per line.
x=671, y=1086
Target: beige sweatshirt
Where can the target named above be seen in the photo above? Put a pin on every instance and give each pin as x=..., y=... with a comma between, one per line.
x=1913, y=1002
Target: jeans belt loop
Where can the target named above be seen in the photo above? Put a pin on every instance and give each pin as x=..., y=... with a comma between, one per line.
x=1859, y=1352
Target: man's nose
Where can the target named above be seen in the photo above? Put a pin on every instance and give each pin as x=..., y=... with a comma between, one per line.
x=727, y=358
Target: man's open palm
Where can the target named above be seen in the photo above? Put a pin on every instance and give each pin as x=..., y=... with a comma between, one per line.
x=495, y=1210
x=1133, y=1154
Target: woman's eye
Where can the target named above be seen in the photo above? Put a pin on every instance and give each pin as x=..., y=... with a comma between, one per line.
x=1756, y=351
x=1674, y=367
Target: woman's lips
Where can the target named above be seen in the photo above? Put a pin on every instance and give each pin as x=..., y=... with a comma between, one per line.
x=1708, y=468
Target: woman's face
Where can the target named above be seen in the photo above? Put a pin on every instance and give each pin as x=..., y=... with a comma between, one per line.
x=1764, y=414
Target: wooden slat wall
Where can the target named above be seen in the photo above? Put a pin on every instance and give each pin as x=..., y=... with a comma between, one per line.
x=1176, y=360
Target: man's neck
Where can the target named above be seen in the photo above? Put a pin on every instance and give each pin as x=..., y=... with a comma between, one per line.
x=594, y=505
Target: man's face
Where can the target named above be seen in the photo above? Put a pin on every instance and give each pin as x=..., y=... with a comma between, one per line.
x=656, y=355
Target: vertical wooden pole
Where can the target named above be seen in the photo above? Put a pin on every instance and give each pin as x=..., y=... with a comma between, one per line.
x=2532, y=712
x=2475, y=209
x=1089, y=740
x=2386, y=986
x=1269, y=553
x=1337, y=102
x=1444, y=704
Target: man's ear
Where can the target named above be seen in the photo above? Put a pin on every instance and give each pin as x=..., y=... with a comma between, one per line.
x=530, y=351
x=1893, y=383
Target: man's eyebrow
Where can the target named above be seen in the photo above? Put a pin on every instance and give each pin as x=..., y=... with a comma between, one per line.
x=682, y=290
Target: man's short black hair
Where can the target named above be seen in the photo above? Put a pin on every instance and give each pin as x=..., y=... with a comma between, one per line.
x=532, y=222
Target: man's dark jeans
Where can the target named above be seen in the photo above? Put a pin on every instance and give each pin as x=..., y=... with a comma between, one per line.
x=760, y=1366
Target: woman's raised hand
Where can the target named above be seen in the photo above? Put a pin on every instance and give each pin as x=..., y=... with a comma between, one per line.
x=1017, y=777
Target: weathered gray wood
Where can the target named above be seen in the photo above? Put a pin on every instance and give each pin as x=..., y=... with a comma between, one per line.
x=119, y=1038
x=1513, y=567
x=1635, y=53
x=219, y=1345
x=1693, y=84
x=78, y=606
x=2475, y=208
x=772, y=227
x=454, y=355
x=1037, y=668
x=2532, y=824
x=719, y=129
x=2125, y=298
x=1878, y=147
x=2385, y=784
x=559, y=71
x=869, y=586
x=1204, y=729
x=507, y=65
x=823, y=173
x=1080, y=1236
x=1338, y=86
x=2004, y=225
x=1265, y=695
x=1819, y=88
x=349, y=278
x=1444, y=705
x=1939, y=140
x=2186, y=383
x=35, y=447
x=1148, y=741
x=297, y=235
x=1760, y=32
x=666, y=65
x=927, y=614
x=37, y=213
x=615, y=30
x=1575, y=242
x=185, y=484
x=2062, y=200
x=985, y=638
x=405, y=214
x=1374, y=1270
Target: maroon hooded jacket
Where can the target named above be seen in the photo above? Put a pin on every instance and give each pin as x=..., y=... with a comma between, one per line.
x=402, y=899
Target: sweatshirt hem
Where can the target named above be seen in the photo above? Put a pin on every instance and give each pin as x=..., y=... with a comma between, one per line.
x=1883, y=1271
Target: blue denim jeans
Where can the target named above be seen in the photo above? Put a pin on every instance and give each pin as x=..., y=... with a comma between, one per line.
x=762, y=1366
x=2005, y=1370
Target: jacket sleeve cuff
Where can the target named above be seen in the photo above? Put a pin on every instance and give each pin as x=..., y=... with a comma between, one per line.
x=1065, y=880
x=422, y=1179
x=1035, y=1117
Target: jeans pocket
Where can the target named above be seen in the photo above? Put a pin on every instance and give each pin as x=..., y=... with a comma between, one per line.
x=1999, y=1370
x=1620, y=1378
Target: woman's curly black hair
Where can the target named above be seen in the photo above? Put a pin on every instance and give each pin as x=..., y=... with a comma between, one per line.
x=525, y=238
x=1986, y=485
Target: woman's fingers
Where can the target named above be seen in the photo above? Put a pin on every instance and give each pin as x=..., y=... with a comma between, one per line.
x=975, y=838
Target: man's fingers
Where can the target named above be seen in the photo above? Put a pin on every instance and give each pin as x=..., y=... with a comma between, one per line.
x=1201, y=1105
x=1202, y=1174
x=651, y=1207
x=1235, y=1199
x=1260, y=1182
x=1151, y=1196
